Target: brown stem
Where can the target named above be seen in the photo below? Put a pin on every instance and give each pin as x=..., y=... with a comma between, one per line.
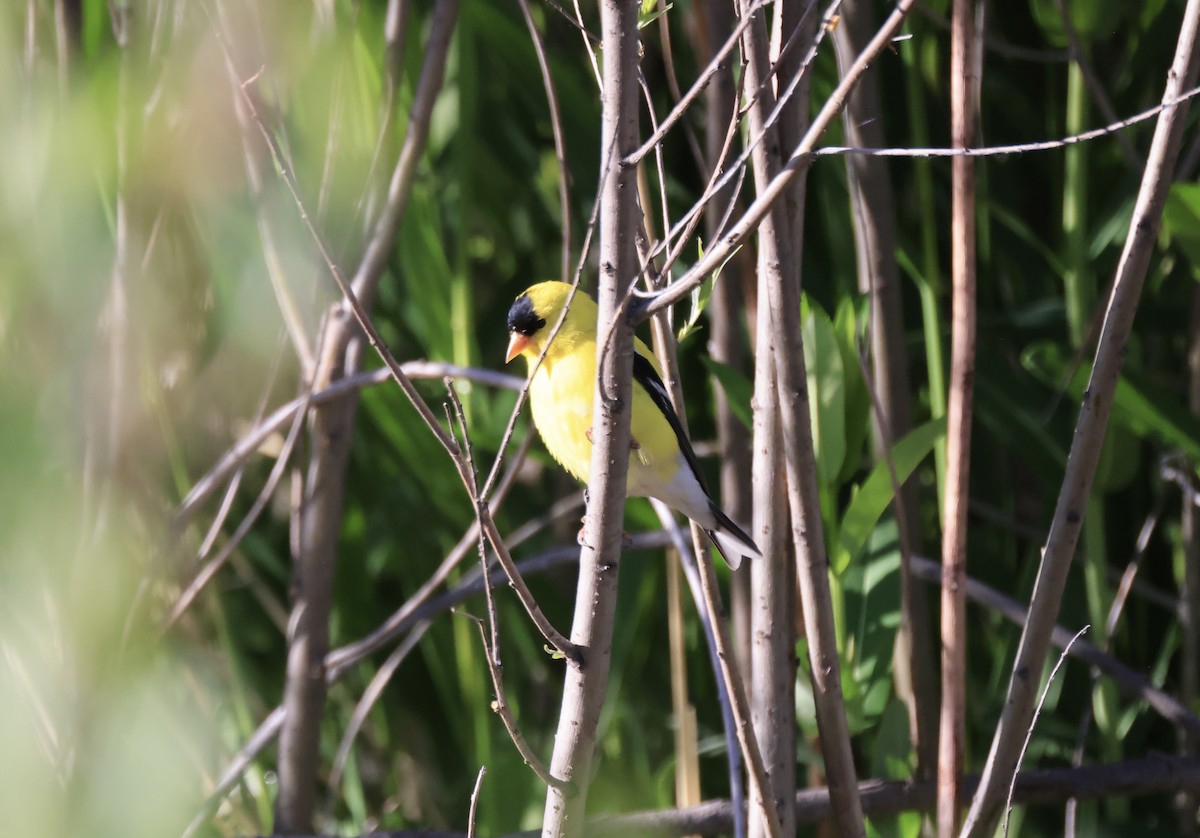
x=798, y=162
x=1089, y=435
x=779, y=281
x=727, y=337
x=560, y=146
x=1124, y=677
x=596, y=595
x=952, y=725
x=331, y=433
x=881, y=799
x=873, y=211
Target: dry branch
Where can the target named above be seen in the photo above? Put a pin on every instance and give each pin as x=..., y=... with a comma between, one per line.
x=1089, y=435
x=874, y=214
x=773, y=580
x=596, y=594
x=1154, y=774
x=797, y=162
x=952, y=721
x=1125, y=678
x=779, y=288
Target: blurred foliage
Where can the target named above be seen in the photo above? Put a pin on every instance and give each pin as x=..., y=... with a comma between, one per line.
x=141, y=335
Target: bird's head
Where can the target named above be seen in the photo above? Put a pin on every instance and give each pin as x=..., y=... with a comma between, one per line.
x=532, y=316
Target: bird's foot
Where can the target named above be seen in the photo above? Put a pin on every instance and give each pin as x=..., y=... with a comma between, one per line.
x=581, y=536
x=633, y=443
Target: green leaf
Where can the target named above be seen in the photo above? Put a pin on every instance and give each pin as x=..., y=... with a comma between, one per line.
x=858, y=398
x=1089, y=18
x=702, y=293
x=891, y=752
x=647, y=14
x=738, y=389
x=1143, y=407
x=826, y=390
x=875, y=493
x=700, y=296
x=871, y=592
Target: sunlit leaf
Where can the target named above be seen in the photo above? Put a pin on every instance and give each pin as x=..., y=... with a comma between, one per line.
x=873, y=497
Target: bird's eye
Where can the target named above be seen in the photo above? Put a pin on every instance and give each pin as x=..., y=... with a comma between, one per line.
x=523, y=319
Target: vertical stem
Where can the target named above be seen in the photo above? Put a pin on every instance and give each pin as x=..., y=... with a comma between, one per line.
x=773, y=580
x=772, y=660
x=958, y=427
x=779, y=280
x=878, y=276
x=687, y=756
x=726, y=344
x=928, y=267
x=331, y=432
x=1089, y=436
x=1078, y=286
x=1079, y=289
x=596, y=596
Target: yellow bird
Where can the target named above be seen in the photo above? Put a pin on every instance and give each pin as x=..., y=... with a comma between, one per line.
x=662, y=463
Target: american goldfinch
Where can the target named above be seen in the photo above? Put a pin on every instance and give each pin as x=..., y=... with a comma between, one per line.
x=662, y=463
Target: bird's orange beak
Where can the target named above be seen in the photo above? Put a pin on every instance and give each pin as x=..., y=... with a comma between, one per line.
x=516, y=345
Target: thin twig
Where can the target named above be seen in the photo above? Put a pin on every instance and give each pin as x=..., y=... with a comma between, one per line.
x=491, y=637
x=253, y=439
x=503, y=709
x=683, y=229
x=267, y=492
x=1123, y=677
x=560, y=145
x=475, y=802
x=1037, y=712
x=1120, y=598
x=798, y=161
x=715, y=65
x=1020, y=148
x=268, y=729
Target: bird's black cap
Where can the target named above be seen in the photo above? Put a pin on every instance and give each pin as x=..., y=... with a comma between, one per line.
x=522, y=318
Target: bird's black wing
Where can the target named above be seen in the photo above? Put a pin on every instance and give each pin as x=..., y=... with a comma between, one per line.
x=645, y=375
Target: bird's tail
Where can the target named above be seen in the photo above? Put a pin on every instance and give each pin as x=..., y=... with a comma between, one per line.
x=731, y=540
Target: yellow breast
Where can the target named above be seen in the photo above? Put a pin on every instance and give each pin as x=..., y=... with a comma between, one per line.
x=562, y=397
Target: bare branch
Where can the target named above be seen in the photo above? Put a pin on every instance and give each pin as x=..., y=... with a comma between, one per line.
x=1156, y=774
x=964, y=86
x=1089, y=433
x=596, y=595
x=253, y=440
x=475, y=802
x=1037, y=712
x=779, y=307
x=1176, y=101
x=798, y=161
x=560, y=146
x=1125, y=678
